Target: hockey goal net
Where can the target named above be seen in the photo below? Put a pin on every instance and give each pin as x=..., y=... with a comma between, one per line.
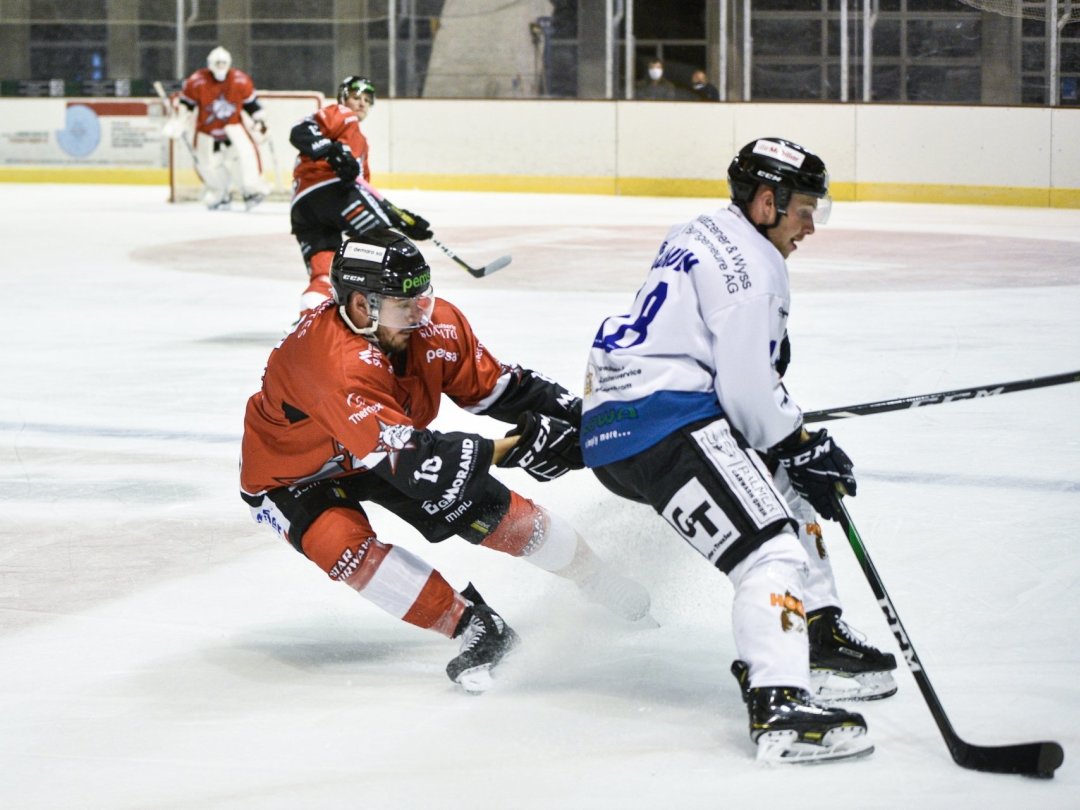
x=283, y=109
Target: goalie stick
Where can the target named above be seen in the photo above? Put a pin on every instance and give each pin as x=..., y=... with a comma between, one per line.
x=475, y=272
x=1039, y=759
x=940, y=398
x=159, y=88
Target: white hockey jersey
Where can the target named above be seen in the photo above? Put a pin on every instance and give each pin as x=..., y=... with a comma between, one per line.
x=702, y=340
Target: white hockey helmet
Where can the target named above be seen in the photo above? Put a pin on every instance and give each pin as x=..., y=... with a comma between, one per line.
x=219, y=61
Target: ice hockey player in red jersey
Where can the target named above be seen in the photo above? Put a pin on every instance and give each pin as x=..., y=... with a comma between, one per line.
x=343, y=419
x=329, y=194
x=228, y=157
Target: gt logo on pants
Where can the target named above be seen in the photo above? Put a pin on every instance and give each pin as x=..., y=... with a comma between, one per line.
x=703, y=524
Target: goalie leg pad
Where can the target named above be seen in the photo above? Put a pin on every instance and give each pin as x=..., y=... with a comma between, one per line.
x=215, y=175
x=248, y=163
x=342, y=543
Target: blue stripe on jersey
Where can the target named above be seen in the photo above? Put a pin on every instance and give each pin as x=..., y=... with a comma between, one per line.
x=617, y=430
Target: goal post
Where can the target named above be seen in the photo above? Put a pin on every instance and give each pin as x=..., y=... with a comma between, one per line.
x=282, y=110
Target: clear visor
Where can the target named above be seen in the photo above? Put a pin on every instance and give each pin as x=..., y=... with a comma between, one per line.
x=812, y=209
x=406, y=313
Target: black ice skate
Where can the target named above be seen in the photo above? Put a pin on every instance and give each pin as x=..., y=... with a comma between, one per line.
x=789, y=728
x=842, y=665
x=485, y=640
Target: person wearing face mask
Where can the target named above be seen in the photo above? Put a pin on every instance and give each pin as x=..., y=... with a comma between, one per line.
x=655, y=87
x=228, y=156
x=700, y=87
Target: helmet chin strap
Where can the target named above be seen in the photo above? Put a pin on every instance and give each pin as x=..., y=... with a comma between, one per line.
x=369, y=330
x=760, y=228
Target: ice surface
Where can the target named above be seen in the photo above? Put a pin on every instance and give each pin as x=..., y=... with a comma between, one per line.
x=159, y=650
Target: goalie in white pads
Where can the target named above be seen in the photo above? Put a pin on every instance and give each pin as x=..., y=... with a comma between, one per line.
x=689, y=383
x=227, y=156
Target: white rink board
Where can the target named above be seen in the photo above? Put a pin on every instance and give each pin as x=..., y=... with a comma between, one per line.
x=160, y=650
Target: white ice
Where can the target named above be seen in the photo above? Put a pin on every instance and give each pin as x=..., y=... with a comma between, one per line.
x=159, y=650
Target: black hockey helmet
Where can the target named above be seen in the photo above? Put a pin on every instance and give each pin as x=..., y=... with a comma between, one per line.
x=355, y=86
x=382, y=264
x=784, y=166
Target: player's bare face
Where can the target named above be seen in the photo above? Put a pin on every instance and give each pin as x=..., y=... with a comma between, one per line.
x=400, y=317
x=795, y=225
x=360, y=104
x=392, y=341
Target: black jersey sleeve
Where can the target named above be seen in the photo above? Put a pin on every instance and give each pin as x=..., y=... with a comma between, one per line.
x=528, y=390
x=441, y=468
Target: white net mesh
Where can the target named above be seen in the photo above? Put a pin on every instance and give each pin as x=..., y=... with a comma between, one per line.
x=1062, y=11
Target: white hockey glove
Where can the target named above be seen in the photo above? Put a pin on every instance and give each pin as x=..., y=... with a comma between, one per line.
x=175, y=126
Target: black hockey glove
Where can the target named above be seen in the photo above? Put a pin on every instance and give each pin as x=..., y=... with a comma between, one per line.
x=548, y=447
x=815, y=466
x=412, y=225
x=341, y=160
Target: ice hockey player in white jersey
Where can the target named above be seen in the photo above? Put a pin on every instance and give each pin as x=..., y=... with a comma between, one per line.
x=689, y=383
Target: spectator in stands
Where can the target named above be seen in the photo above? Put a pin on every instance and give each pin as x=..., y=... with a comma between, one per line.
x=656, y=87
x=700, y=87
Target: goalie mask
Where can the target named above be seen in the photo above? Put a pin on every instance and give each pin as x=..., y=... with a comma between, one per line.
x=219, y=61
x=389, y=270
x=355, y=87
x=786, y=168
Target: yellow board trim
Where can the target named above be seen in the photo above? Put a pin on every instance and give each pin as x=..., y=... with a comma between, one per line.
x=106, y=174
x=628, y=186
x=953, y=194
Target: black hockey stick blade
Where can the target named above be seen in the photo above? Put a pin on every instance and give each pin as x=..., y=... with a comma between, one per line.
x=1038, y=759
x=475, y=272
x=940, y=398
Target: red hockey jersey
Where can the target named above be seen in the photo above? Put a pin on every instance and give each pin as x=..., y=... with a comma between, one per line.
x=338, y=123
x=217, y=104
x=331, y=403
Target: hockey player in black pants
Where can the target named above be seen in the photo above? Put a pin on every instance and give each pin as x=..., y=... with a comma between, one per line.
x=684, y=409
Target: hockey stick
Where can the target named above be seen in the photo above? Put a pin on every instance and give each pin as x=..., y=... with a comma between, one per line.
x=475, y=272
x=159, y=88
x=273, y=160
x=939, y=398
x=1039, y=759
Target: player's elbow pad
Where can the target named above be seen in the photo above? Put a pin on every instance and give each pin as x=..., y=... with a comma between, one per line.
x=439, y=467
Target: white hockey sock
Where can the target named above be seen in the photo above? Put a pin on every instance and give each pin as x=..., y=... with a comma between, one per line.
x=768, y=618
x=559, y=547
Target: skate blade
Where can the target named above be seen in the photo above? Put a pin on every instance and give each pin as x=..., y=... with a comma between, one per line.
x=830, y=686
x=476, y=680
x=785, y=747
